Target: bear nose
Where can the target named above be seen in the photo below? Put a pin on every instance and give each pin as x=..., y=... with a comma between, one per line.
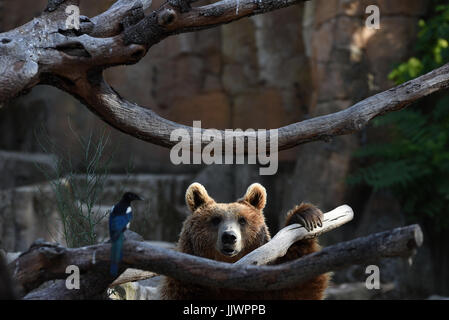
x=229, y=238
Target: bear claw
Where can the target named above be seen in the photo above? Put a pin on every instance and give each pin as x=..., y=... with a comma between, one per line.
x=310, y=218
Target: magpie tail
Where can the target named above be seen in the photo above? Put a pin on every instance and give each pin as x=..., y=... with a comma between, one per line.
x=114, y=269
x=116, y=255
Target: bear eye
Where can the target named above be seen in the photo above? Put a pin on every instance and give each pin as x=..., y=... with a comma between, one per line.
x=216, y=221
x=242, y=221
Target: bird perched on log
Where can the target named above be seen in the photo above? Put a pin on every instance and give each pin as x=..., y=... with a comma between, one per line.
x=119, y=220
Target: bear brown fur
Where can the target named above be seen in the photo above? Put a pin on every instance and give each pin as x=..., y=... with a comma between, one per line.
x=243, y=223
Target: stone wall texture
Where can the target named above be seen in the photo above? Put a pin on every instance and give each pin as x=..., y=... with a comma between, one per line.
x=265, y=71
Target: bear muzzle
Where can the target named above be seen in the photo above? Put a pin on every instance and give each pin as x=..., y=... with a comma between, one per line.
x=228, y=246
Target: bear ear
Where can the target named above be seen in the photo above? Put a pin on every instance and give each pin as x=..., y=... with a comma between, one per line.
x=196, y=196
x=256, y=195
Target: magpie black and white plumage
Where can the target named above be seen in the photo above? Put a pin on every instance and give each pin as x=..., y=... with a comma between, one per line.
x=119, y=220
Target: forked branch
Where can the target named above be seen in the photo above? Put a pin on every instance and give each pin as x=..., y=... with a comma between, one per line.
x=44, y=51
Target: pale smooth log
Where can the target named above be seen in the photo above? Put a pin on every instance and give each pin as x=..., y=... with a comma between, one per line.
x=277, y=247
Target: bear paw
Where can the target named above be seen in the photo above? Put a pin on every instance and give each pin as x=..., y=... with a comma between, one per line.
x=307, y=215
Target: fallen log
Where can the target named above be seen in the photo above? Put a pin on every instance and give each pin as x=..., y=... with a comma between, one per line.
x=46, y=261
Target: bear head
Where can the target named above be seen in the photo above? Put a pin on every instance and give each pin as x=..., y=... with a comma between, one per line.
x=224, y=231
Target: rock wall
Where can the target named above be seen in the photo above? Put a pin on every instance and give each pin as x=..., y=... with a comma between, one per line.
x=19, y=169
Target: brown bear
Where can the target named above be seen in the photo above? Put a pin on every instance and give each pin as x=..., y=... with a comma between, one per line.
x=228, y=231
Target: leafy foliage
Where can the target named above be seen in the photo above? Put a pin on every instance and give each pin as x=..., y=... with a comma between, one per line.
x=414, y=162
x=432, y=47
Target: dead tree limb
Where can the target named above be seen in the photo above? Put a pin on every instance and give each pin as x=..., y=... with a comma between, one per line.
x=92, y=286
x=32, y=276
x=176, y=16
x=44, y=51
x=400, y=242
x=44, y=262
x=277, y=247
x=132, y=275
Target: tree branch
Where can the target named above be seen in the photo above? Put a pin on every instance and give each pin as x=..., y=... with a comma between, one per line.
x=111, y=22
x=44, y=52
x=145, y=124
x=277, y=247
x=46, y=261
x=132, y=275
x=176, y=17
x=29, y=273
x=46, y=47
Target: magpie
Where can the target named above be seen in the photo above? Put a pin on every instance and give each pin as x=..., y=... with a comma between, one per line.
x=119, y=220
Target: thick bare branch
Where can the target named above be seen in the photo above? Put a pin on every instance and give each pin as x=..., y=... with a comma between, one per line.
x=30, y=278
x=111, y=22
x=279, y=244
x=93, y=286
x=146, y=125
x=46, y=46
x=45, y=262
x=176, y=17
x=56, y=5
x=277, y=247
x=132, y=275
x=44, y=51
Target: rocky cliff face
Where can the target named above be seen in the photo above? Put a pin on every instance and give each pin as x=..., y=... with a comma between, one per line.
x=261, y=72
